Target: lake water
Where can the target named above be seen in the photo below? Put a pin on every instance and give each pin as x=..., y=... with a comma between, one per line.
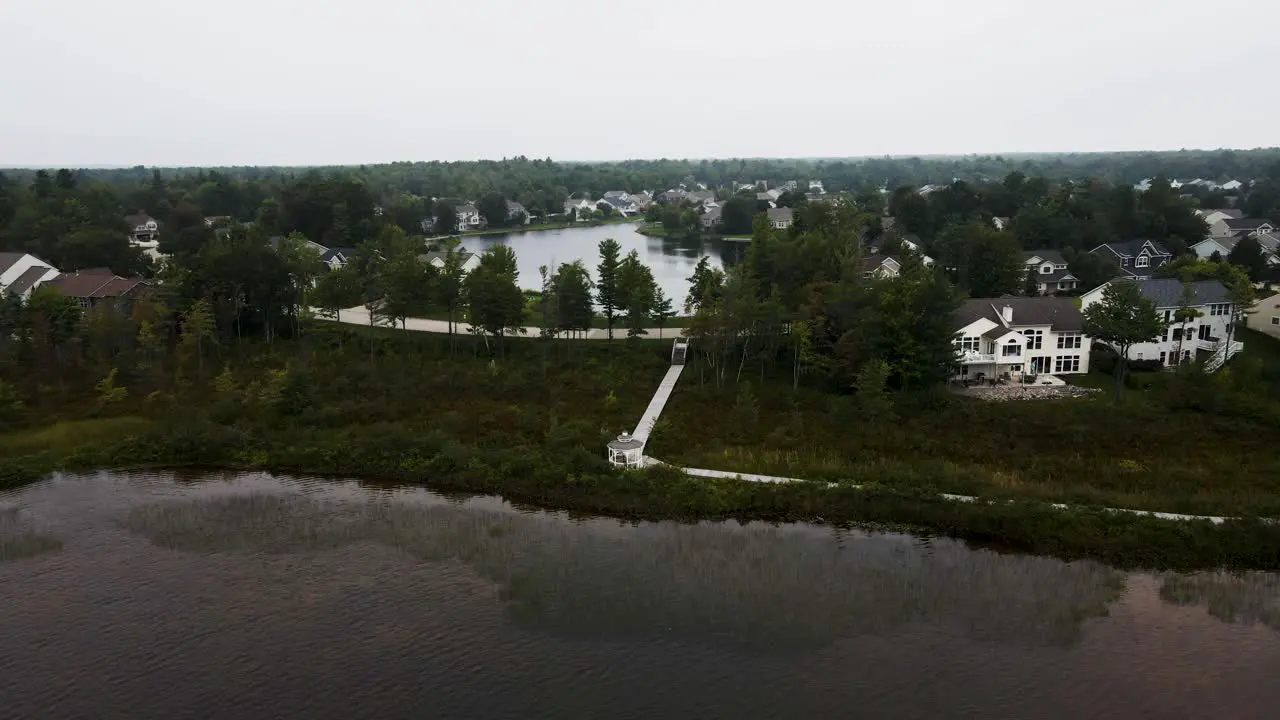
x=672, y=261
x=248, y=596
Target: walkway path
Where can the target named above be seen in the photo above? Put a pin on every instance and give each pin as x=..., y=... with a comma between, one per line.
x=659, y=401
x=360, y=316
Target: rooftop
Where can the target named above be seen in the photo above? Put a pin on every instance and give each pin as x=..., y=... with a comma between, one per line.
x=1059, y=313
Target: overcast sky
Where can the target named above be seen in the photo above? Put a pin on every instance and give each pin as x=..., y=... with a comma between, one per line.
x=294, y=82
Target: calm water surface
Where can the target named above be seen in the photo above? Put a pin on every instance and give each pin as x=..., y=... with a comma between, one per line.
x=250, y=596
x=672, y=261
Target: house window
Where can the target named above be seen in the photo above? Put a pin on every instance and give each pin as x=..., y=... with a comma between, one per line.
x=970, y=344
x=1275, y=320
x=1066, y=363
x=1186, y=355
x=1011, y=348
x=1034, y=338
x=1069, y=341
x=1220, y=309
x=1143, y=261
x=1168, y=315
x=1177, y=333
x=1162, y=358
x=1164, y=336
x=1046, y=269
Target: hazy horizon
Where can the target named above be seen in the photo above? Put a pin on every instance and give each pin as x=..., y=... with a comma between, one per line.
x=292, y=83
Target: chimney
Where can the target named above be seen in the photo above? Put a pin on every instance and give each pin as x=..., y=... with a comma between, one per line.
x=1007, y=313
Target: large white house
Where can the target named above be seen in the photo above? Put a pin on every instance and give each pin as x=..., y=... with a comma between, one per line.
x=20, y=273
x=1265, y=315
x=1014, y=336
x=1180, y=341
x=1050, y=271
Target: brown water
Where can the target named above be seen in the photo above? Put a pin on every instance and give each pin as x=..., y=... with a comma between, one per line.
x=248, y=596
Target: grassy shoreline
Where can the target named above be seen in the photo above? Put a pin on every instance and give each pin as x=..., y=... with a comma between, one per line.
x=540, y=226
x=386, y=454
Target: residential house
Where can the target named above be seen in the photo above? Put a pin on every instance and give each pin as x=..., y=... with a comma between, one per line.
x=766, y=198
x=1224, y=245
x=1014, y=336
x=1208, y=332
x=642, y=199
x=780, y=218
x=1227, y=227
x=1264, y=316
x=1231, y=186
x=579, y=206
x=815, y=186
x=1050, y=271
x=468, y=218
x=96, y=286
x=674, y=196
x=624, y=207
x=1211, y=217
x=1137, y=259
x=620, y=194
x=699, y=197
x=883, y=266
x=142, y=229
x=1001, y=223
x=517, y=213
x=337, y=257
x=20, y=273
x=908, y=242
x=436, y=258
x=710, y=218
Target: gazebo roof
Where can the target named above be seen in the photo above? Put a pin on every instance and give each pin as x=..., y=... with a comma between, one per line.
x=625, y=442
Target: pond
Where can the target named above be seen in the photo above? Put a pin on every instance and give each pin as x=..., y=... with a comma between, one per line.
x=126, y=595
x=672, y=261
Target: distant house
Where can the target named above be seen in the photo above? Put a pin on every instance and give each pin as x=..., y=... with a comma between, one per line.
x=1264, y=316
x=96, y=286
x=780, y=218
x=625, y=207
x=883, y=266
x=468, y=218
x=1137, y=259
x=580, y=206
x=1207, y=332
x=337, y=257
x=516, y=212
x=1231, y=185
x=642, y=199
x=1016, y=336
x=698, y=197
x=909, y=242
x=1224, y=245
x=1050, y=271
x=710, y=218
x=143, y=229
x=1233, y=226
x=815, y=186
x=1212, y=217
x=675, y=196
x=20, y=273
x=1001, y=222
x=436, y=258
x=766, y=198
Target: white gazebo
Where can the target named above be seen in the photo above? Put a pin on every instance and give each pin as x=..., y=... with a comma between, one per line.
x=625, y=451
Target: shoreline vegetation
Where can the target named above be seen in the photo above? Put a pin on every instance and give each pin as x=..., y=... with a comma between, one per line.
x=532, y=429
x=656, y=230
x=534, y=227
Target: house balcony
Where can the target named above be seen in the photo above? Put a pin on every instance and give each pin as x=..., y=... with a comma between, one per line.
x=976, y=358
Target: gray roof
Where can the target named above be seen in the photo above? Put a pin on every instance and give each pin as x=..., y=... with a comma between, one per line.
x=1052, y=256
x=27, y=279
x=1059, y=313
x=138, y=219
x=441, y=255
x=1055, y=276
x=1167, y=292
x=9, y=259
x=466, y=209
x=617, y=202
x=615, y=194
x=1245, y=223
x=776, y=214
x=1130, y=248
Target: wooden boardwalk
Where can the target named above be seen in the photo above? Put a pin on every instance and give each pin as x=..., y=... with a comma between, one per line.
x=657, y=403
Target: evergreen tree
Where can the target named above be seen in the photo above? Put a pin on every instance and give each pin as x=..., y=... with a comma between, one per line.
x=607, y=295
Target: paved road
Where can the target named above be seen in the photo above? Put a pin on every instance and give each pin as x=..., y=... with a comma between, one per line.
x=360, y=316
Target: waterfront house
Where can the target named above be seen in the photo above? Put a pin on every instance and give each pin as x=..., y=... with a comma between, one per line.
x=710, y=218
x=625, y=207
x=468, y=218
x=779, y=218
x=579, y=206
x=1137, y=259
x=20, y=273
x=516, y=213
x=436, y=259
x=1050, y=271
x=1264, y=316
x=1181, y=341
x=1009, y=337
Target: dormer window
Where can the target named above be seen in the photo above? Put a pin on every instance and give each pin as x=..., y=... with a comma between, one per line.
x=1143, y=261
x=1046, y=269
